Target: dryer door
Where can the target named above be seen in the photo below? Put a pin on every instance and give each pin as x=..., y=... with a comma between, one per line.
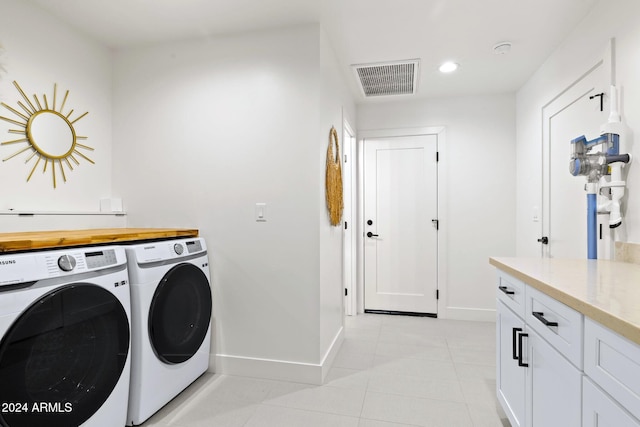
x=62, y=357
x=180, y=313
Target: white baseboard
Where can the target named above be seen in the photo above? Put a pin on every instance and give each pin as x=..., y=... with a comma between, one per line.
x=475, y=314
x=283, y=370
x=331, y=353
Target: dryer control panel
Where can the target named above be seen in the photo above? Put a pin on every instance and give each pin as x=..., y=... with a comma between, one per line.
x=168, y=250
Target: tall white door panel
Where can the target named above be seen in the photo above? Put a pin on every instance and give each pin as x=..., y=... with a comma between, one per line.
x=575, y=112
x=400, y=214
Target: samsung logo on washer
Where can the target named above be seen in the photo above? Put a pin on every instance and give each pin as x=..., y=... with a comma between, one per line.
x=7, y=261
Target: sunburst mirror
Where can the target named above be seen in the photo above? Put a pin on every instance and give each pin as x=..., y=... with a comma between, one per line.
x=48, y=133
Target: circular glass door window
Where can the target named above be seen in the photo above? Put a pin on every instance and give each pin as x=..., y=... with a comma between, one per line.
x=62, y=357
x=179, y=314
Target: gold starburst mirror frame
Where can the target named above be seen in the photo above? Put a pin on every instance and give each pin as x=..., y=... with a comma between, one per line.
x=48, y=133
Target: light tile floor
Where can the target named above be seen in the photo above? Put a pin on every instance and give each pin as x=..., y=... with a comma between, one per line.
x=391, y=371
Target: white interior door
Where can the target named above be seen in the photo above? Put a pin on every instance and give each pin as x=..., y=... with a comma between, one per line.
x=400, y=230
x=570, y=115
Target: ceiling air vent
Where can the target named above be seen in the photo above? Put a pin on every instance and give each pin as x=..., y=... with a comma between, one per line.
x=388, y=78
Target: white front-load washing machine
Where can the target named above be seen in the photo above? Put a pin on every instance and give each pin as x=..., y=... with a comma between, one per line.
x=64, y=338
x=171, y=321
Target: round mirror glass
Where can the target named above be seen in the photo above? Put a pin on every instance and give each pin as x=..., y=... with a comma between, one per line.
x=48, y=137
x=51, y=134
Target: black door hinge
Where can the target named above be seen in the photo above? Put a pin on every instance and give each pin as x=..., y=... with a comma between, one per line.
x=437, y=293
x=437, y=156
x=436, y=223
x=346, y=292
x=345, y=225
x=601, y=96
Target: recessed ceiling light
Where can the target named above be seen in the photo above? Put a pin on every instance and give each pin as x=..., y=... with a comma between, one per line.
x=448, y=67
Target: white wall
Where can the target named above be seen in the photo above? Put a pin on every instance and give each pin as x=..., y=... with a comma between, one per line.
x=200, y=131
x=81, y=66
x=336, y=103
x=205, y=129
x=41, y=51
x=479, y=172
x=587, y=42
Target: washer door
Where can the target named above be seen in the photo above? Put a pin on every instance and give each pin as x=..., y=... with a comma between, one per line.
x=62, y=357
x=179, y=314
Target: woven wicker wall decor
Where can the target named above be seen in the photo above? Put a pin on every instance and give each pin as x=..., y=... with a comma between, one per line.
x=333, y=181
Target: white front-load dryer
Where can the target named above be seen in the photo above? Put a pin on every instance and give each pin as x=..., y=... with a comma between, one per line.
x=171, y=321
x=64, y=338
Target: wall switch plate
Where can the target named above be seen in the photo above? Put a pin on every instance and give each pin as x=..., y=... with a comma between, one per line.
x=261, y=212
x=111, y=205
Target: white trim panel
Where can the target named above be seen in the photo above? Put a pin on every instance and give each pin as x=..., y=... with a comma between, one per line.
x=283, y=370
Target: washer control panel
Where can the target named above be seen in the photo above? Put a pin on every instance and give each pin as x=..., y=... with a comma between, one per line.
x=97, y=259
x=66, y=263
x=178, y=249
x=34, y=266
x=83, y=260
x=194, y=246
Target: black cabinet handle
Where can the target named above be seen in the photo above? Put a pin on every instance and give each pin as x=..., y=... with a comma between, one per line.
x=370, y=234
x=513, y=341
x=540, y=316
x=544, y=240
x=506, y=290
x=520, y=362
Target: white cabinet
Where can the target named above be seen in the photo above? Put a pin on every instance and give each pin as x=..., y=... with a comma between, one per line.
x=510, y=377
x=600, y=410
x=556, y=367
x=511, y=292
x=575, y=326
x=612, y=362
x=557, y=323
x=536, y=383
x=554, y=384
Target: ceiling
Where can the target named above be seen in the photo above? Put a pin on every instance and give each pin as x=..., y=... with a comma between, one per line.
x=361, y=31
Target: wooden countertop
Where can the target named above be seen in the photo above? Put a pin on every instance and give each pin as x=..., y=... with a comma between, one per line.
x=36, y=240
x=606, y=291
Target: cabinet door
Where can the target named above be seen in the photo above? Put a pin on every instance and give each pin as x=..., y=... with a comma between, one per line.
x=510, y=378
x=613, y=363
x=554, y=387
x=599, y=410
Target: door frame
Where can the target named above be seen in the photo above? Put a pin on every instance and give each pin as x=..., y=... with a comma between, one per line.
x=349, y=253
x=442, y=167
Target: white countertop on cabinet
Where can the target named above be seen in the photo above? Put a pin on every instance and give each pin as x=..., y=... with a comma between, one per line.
x=606, y=291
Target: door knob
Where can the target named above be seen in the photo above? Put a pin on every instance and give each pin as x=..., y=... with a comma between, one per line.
x=370, y=234
x=544, y=240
